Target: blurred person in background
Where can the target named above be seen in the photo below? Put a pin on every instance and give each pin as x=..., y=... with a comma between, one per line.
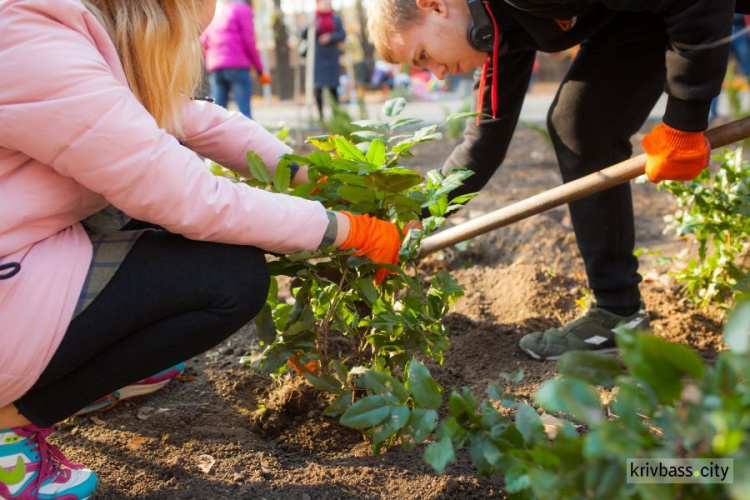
x=739, y=47
x=231, y=53
x=329, y=33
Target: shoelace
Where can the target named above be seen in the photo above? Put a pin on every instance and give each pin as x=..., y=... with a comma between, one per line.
x=490, y=59
x=50, y=458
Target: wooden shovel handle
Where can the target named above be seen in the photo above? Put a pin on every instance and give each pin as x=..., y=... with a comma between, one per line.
x=580, y=188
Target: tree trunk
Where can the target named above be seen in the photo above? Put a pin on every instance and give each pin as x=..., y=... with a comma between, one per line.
x=283, y=76
x=367, y=48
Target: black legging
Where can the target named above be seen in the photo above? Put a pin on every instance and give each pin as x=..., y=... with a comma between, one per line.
x=171, y=299
x=606, y=96
x=332, y=91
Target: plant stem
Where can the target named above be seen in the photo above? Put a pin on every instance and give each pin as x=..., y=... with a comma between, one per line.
x=327, y=321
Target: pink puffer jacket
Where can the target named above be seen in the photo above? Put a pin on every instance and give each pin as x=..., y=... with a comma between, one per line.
x=229, y=41
x=74, y=139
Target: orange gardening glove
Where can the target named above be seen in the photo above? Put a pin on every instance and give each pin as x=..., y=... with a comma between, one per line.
x=675, y=155
x=265, y=78
x=309, y=367
x=375, y=239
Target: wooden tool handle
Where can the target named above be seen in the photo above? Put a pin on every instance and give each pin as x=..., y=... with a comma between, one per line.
x=593, y=183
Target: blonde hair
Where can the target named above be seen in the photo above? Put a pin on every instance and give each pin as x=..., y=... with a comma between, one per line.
x=386, y=18
x=159, y=47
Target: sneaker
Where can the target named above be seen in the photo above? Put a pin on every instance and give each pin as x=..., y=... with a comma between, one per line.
x=594, y=331
x=145, y=386
x=32, y=468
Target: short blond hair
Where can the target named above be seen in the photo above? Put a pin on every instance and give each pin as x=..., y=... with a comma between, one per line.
x=159, y=48
x=387, y=18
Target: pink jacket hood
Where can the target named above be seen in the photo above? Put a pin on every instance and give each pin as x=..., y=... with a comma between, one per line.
x=73, y=139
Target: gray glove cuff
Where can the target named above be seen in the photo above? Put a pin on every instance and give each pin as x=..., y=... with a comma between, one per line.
x=331, y=231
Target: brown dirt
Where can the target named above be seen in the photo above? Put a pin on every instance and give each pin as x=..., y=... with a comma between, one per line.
x=226, y=432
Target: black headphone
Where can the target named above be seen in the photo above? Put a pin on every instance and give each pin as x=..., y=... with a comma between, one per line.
x=481, y=33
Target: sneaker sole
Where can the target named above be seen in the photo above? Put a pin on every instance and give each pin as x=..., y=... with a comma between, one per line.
x=555, y=358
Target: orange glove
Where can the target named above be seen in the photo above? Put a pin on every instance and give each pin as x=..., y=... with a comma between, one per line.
x=375, y=239
x=675, y=155
x=265, y=78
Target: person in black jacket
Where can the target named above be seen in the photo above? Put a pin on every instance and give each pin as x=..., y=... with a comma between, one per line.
x=630, y=52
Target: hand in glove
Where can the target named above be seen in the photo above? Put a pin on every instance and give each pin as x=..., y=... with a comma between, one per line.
x=675, y=155
x=265, y=79
x=375, y=239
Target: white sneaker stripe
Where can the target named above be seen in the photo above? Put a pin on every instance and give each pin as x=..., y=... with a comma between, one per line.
x=630, y=324
x=596, y=340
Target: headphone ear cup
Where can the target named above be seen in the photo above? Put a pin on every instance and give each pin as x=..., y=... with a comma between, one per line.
x=480, y=33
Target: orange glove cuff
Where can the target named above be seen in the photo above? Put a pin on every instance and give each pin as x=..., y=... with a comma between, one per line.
x=375, y=239
x=359, y=227
x=674, y=154
x=666, y=137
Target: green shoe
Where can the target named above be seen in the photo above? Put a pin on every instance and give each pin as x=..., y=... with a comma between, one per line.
x=594, y=331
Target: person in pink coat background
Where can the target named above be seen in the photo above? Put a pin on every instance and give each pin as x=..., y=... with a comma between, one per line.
x=231, y=53
x=121, y=255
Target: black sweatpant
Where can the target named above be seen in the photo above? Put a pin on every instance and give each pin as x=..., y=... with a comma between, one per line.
x=605, y=98
x=171, y=299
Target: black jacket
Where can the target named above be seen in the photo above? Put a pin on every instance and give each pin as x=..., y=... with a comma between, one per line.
x=694, y=77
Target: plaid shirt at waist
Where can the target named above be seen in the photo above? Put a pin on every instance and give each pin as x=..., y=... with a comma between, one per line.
x=111, y=245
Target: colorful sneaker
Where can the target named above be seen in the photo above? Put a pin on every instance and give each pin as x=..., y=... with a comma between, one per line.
x=31, y=468
x=141, y=388
x=594, y=331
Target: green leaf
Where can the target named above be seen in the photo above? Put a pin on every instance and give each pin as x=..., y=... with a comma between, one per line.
x=354, y=194
x=517, y=479
x=405, y=122
x=366, y=135
x=324, y=382
x=339, y=405
x=605, y=479
x=265, y=325
x=257, y=168
x=542, y=481
x=367, y=412
x=439, y=454
x=322, y=142
x=376, y=153
x=423, y=388
x=659, y=363
x=530, y=425
x=398, y=417
x=572, y=396
x=347, y=150
x=629, y=402
x=370, y=125
x=394, y=107
x=394, y=180
x=737, y=329
x=366, y=288
x=385, y=385
x=463, y=406
x=421, y=424
x=461, y=116
x=282, y=177
x=592, y=367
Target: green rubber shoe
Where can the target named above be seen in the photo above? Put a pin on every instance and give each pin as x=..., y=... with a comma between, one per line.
x=594, y=331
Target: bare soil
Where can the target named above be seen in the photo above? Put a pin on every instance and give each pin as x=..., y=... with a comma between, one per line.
x=197, y=438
